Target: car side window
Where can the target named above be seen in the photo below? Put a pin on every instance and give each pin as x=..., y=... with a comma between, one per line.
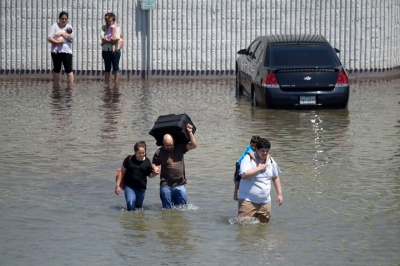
x=252, y=49
x=258, y=53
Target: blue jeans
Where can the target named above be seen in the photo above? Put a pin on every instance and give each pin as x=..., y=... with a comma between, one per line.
x=111, y=58
x=171, y=196
x=134, y=198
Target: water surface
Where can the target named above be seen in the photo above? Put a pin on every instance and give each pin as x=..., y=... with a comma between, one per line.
x=60, y=148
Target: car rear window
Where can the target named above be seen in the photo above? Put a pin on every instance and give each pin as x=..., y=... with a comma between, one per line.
x=289, y=56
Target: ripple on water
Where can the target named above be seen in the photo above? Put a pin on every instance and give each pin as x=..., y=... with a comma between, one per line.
x=60, y=148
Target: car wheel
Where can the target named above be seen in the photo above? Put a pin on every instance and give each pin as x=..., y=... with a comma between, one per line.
x=238, y=85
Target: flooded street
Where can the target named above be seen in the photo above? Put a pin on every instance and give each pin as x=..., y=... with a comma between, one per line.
x=61, y=147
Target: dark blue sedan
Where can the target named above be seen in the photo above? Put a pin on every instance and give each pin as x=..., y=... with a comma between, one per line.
x=292, y=71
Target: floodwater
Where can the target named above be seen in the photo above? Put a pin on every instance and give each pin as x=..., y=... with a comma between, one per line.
x=60, y=148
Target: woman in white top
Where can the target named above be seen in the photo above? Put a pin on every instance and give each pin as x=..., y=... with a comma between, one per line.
x=61, y=50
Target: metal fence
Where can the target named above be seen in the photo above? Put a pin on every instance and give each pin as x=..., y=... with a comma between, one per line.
x=196, y=37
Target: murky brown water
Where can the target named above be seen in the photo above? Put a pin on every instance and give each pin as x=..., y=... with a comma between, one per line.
x=60, y=148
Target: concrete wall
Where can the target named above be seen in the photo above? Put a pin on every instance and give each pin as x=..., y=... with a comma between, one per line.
x=196, y=37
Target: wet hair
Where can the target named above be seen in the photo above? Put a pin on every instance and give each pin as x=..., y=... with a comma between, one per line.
x=254, y=139
x=140, y=144
x=263, y=144
x=62, y=13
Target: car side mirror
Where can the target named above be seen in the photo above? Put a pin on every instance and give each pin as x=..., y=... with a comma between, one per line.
x=336, y=50
x=243, y=51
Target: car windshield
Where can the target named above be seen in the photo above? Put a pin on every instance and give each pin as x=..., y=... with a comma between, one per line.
x=295, y=56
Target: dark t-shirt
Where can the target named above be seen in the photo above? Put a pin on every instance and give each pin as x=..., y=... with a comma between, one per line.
x=172, y=166
x=137, y=172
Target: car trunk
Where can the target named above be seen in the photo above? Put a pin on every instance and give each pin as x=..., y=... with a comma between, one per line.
x=306, y=79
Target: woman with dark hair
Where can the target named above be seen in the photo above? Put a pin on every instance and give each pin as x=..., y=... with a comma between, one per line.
x=134, y=172
x=255, y=185
x=110, y=48
x=61, y=48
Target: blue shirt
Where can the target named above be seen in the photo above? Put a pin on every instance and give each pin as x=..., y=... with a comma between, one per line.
x=246, y=151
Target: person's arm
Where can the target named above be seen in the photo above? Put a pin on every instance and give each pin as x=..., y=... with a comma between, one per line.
x=51, y=35
x=102, y=32
x=66, y=35
x=156, y=162
x=251, y=154
x=247, y=169
x=253, y=172
x=193, y=143
x=118, y=182
x=156, y=171
x=55, y=41
x=278, y=188
x=235, y=193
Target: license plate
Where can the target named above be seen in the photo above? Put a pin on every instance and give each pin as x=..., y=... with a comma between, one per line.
x=308, y=100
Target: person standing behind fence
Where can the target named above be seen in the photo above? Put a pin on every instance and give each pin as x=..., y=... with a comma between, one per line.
x=61, y=48
x=110, y=58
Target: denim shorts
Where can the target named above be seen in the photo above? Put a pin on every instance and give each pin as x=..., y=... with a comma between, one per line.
x=111, y=58
x=62, y=58
x=236, y=176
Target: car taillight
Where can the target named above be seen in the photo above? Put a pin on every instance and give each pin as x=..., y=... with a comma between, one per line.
x=270, y=81
x=342, y=80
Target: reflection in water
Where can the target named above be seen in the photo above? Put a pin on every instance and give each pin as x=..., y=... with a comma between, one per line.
x=62, y=105
x=112, y=111
x=261, y=244
x=170, y=229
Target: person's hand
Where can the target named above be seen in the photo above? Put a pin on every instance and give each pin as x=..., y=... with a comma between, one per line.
x=262, y=166
x=117, y=189
x=235, y=196
x=279, y=200
x=156, y=169
x=189, y=128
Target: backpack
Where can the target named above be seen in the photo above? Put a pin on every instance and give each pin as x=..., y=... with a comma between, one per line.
x=122, y=184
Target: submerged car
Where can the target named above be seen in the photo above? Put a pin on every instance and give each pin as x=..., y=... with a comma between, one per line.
x=291, y=71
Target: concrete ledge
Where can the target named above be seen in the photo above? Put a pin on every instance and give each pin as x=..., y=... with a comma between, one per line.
x=137, y=74
x=374, y=73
